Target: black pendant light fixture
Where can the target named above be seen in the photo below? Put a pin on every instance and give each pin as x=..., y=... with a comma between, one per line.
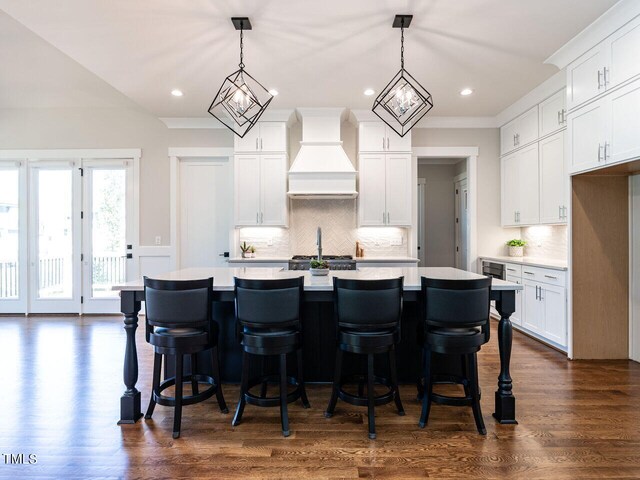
x=403, y=101
x=241, y=100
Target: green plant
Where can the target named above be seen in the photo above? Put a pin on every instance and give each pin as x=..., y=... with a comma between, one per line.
x=252, y=249
x=516, y=242
x=319, y=264
x=245, y=248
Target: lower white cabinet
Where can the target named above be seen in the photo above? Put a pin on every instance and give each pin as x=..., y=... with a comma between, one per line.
x=532, y=307
x=516, y=317
x=545, y=311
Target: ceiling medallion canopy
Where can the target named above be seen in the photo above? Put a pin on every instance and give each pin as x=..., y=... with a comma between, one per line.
x=241, y=100
x=403, y=102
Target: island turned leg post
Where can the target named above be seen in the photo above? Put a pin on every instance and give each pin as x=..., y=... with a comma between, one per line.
x=505, y=409
x=130, y=411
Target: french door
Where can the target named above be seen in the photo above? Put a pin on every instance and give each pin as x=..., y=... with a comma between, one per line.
x=79, y=234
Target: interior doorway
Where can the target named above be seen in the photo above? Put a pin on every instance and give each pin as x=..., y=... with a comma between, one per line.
x=443, y=202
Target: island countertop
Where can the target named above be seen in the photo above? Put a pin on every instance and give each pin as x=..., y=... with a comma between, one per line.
x=223, y=277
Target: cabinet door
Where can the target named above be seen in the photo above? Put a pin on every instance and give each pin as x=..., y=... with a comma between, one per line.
x=624, y=128
x=273, y=137
x=551, y=114
x=250, y=143
x=586, y=134
x=398, y=189
x=372, y=137
x=529, y=190
x=532, y=307
x=623, y=51
x=247, y=189
x=585, y=77
x=516, y=317
x=510, y=201
x=371, y=199
x=527, y=127
x=508, y=137
x=273, y=190
x=552, y=181
x=396, y=143
x=555, y=314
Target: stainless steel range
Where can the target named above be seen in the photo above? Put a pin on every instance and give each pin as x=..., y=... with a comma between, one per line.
x=336, y=262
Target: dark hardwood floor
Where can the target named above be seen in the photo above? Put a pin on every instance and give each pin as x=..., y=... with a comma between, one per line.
x=62, y=380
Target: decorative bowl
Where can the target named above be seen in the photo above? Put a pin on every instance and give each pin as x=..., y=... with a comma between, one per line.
x=318, y=272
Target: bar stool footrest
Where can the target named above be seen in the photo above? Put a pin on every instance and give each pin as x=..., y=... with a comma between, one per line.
x=363, y=401
x=167, y=401
x=259, y=401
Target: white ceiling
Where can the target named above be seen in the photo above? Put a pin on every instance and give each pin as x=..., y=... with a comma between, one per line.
x=314, y=53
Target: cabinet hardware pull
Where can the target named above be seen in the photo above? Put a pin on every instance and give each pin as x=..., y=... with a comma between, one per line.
x=260, y=143
x=607, y=153
x=551, y=277
x=388, y=218
x=384, y=218
x=600, y=151
x=387, y=143
x=536, y=292
x=564, y=116
x=599, y=80
x=514, y=140
x=606, y=76
x=261, y=217
x=511, y=269
x=559, y=117
x=256, y=143
x=528, y=273
x=560, y=212
x=257, y=222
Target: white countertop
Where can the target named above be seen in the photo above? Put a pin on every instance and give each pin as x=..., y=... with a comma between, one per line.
x=223, y=277
x=532, y=261
x=260, y=260
x=357, y=259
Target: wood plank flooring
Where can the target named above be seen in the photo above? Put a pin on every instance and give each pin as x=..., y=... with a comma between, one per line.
x=62, y=379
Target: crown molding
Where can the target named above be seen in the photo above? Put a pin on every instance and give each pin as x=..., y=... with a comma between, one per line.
x=621, y=13
x=357, y=116
x=287, y=115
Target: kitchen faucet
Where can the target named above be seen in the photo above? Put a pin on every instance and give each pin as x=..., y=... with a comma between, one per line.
x=319, y=243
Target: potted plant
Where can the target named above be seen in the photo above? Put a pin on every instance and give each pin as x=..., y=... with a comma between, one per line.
x=246, y=250
x=516, y=247
x=252, y=249
x=319, y=267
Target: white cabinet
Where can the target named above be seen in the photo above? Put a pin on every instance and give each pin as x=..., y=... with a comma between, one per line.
x=378, y=137
x=263, y=137
x=385, y=189
x=533, y=309
x=516, y=316
x=260, y=190
x=605, y=131
x=520, y=187
x=606, y=66
x=519, y=132
x=554, y=303
x=553, y=192
x=552, y=114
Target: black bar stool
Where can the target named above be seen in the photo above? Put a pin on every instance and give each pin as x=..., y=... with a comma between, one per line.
x=368, y=314
x=179, y=322
x=268, y=314
x=456, y=322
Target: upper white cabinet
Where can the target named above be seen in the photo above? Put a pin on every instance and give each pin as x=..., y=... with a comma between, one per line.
x=385, y=190
x=263, y=137
x=553, y=193
x=606, y=66
x=519, y=132
x=260, y=190
x=378, y=137
x=520, y=187
x=605, y=131
x=552, y=114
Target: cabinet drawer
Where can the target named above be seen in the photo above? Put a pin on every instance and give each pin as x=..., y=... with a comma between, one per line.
x=544, y=275
x=513, y=270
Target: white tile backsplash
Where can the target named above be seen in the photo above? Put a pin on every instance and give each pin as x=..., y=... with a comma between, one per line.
x=337, y=218
x=545, y=241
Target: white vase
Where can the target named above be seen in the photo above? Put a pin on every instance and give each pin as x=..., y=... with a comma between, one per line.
x=516, y=251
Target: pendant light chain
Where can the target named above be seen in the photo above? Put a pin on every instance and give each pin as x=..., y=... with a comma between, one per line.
x=241, y=64
x=402, y=45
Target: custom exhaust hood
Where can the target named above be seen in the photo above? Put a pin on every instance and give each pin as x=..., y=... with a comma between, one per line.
x=321, y=169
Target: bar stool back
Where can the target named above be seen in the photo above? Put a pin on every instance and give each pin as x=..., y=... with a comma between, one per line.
x=456, y=322
x=179, y=322
x=268, y=314
x=368, y=314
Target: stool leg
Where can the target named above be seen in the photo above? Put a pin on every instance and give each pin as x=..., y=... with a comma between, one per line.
x=244, y=382
x=337, y=377
x=303, y=390
x=284, y=413
x=428, y=387
x=157, y=368
x=465, y=376
x=265, y=384
x=394, y=380
x=420, y=380
x=475, y=394
x=216, y=375
x=194, y=371
x=177, y=414
x=370, y=395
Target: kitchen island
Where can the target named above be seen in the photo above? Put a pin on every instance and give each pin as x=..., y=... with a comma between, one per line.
x=318, y=325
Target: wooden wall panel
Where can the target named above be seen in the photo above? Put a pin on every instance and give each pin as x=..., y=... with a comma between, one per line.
x=600, y=254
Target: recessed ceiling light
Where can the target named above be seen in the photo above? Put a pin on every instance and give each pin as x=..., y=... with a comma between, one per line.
x=176, y=93
x=273, y=92
x=466, y=91
x=369, y=91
